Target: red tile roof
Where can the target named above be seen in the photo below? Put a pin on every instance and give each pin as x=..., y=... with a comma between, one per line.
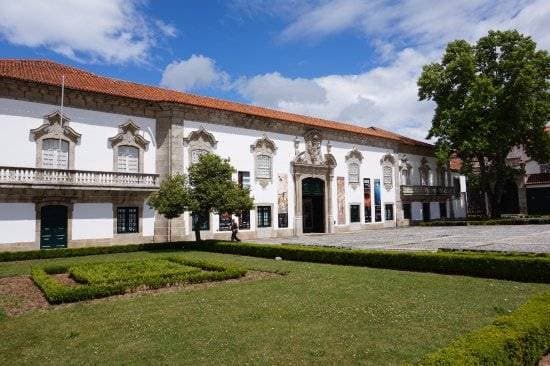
x=50, y=73
x=540, y=178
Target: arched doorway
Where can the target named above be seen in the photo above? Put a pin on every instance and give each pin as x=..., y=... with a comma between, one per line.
x=53, y=226
x=313, y=205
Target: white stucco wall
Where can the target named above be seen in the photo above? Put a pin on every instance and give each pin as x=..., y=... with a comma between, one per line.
x=17, y=223
x=93, y=152
x=92, y=221
x=148, y=221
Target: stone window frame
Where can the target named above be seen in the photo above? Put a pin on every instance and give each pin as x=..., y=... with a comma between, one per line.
x=55, y=126
x=199, y=140
x=130, y=203
x=128, y=135
x=388, y=162
x=354, y=157
x=263, y=146
x=425, y=172
x=405, y=166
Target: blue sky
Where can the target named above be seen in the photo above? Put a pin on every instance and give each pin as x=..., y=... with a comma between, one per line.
x=348, y=60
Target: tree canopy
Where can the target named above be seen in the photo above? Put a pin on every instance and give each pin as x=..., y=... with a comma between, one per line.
x=490, y=97
x=208, y=188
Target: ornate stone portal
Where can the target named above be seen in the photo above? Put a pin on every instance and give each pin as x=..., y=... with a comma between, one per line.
x=311, y=163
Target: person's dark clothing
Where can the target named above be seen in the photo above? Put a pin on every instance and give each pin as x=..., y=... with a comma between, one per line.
x=234, y=231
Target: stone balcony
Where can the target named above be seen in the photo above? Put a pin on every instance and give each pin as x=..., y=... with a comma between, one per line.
x=16, y=177
x=425, y=193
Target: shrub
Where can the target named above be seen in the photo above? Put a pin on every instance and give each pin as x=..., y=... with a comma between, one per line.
x=508, y=267
x=97, y=280
x=2, y=314
x=520, y=338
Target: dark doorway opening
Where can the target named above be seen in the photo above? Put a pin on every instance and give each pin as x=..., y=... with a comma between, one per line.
x=53, y=227
x=509, y=203
x=426, y=211
x=538, y=201
x=313, y=205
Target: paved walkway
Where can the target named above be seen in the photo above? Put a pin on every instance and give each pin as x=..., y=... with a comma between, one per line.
x=523, y=238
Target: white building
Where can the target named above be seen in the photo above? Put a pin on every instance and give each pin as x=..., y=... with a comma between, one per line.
x=82, y=177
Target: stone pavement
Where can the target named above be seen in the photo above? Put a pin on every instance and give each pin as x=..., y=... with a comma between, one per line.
x=519, y=238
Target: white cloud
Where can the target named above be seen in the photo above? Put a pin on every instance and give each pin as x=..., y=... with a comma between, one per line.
x=384, y=96
x=112, y=31
x=196, y=72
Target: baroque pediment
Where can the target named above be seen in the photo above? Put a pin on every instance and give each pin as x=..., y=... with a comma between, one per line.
x=128, y=134
x=56, y=125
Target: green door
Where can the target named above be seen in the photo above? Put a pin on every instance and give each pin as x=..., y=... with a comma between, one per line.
x=53, y=227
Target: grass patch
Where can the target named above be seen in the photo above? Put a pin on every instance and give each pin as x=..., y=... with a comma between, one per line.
x=96, y=280
x=488, y=265
x=520, y=338
x=318, y=313
x=2, y=314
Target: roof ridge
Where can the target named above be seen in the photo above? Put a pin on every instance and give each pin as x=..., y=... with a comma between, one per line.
x=156, y=93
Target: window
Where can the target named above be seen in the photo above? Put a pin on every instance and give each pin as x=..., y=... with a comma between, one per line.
x=407, y=211
x=264, y=216
x=387, y=172
x=205, y=225
x=353, y=173
x=244, y=179
x=283, y=220
x=545, y=168
x=263, y=167
x=456, y=187
x=405, y=177
x=443, y=210
x=244, y=220
x=196, y=155
x=354, y=213
x=128, y=159
x=127, y=220
x=55, y=154
x=225, y=222
x=389, y=212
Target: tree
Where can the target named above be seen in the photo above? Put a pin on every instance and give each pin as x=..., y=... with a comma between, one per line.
x=490, y=97
x=172, y=199
x=213, y=190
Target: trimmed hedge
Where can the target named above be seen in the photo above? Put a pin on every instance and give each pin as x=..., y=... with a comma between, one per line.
x=2, y=314
x=80, y=252
x=489, y=265
x=512, y=221
x=56, y=292
x=520, y=338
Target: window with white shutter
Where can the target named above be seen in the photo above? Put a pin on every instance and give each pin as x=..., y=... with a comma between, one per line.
x=55, y=154
x=353, y=173
x=196, y=155
x=128, y=159
x=263, y=166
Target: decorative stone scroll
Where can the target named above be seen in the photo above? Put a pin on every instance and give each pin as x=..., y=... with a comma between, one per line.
x=387, y=163
x=200, y=142
x=128, y=135
x=354, y=159
x=263, y=149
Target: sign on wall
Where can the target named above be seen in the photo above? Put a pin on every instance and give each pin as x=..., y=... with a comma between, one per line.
x=377, y=201
x=282, y=199
x=341, y=199
x=367, y=199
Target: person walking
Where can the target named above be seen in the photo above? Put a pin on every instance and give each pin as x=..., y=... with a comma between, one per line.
x=234, y=230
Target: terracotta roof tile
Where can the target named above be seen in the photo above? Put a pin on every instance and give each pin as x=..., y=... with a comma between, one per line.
x=50, y=73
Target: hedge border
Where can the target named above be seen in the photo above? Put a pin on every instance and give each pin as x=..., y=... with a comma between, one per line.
x=57, y=292
x=487, y=265
x=520, y=338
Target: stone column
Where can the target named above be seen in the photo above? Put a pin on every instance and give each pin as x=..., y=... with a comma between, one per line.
x=330, y=214
x=298, y=224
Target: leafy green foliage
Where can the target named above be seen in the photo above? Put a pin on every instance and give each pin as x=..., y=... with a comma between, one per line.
x=213, y=189
x=516, y=339
x=96, y=280
x=172, y=198
x=489, y=265
x=490, y=97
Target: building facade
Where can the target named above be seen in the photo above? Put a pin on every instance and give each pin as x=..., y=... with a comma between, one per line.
x=81, y=176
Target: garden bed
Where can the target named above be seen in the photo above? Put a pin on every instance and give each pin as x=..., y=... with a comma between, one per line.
x=85, y=281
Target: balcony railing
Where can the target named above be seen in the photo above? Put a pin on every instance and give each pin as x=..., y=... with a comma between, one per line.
x=426, y=191
x=14, y=176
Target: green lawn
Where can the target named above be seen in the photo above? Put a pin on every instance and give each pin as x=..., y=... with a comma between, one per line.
x=315, y=313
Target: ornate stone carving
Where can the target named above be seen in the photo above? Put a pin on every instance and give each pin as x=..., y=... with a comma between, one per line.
x=199, y=142
x=354, y=159
x=55, y=126
x=312, y=155
x=263, y=149
x=387, y=162
x=405, y=169
x=425, y=172
x=128, y=134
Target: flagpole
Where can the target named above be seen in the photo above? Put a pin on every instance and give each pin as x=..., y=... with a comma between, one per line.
x=61, y=119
